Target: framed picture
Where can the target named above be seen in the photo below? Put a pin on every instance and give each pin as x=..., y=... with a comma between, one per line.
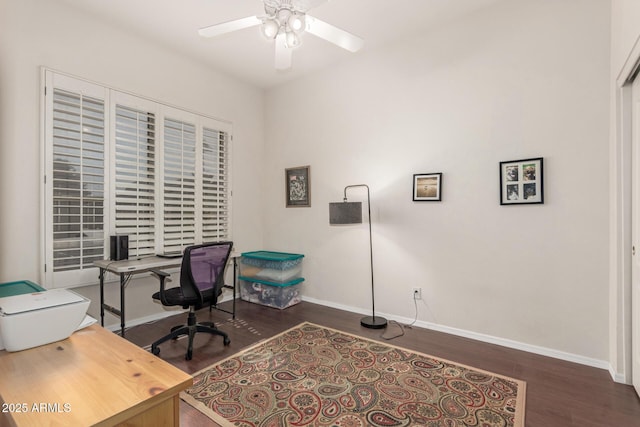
x=427, y=187
x=298, y=187
x=521, y=182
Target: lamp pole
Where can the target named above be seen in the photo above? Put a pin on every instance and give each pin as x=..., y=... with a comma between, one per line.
x=372, y=321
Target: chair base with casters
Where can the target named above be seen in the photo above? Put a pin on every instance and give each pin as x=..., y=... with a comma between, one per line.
x=190, y=329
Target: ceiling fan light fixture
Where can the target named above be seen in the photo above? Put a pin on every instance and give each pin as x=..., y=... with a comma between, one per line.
x=292, y=40
x=270, y=28
x=296, y=22
x=284, y=22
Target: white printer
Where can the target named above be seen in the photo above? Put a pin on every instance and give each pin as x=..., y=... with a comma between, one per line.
x=34, y=319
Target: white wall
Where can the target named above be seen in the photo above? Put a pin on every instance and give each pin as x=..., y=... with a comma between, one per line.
x=625, y=16
x=522, y=79
x=519, y=80
x=36, y=33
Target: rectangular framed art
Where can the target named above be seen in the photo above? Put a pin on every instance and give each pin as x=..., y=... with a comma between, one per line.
x=298, y=187
x=521, y=182
x=427, y=187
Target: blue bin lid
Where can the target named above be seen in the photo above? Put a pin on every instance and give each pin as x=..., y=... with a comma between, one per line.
x=275, y=284
x=20, y=287
x=272, y=256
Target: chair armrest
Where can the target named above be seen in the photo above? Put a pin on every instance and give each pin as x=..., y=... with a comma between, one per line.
x=160, y=274
x=163, y=276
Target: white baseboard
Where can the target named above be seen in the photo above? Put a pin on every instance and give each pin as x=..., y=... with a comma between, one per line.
x=543, y=351
x=619, y=377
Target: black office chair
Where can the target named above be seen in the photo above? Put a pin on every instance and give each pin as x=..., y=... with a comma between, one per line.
x=201, y=282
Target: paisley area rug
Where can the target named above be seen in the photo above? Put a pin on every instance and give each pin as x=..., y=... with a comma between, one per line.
x=311, y=375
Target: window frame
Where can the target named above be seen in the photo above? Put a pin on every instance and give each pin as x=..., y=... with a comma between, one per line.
x=51, y=80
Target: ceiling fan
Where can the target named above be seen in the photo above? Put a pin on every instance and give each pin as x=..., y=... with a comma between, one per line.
x=284, y=22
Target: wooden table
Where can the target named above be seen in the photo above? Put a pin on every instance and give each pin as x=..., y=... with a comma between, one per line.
x=93, y=378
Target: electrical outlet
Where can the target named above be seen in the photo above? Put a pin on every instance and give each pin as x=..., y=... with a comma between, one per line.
x=417, y=293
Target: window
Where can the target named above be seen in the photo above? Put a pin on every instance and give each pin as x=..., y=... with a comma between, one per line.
x=215, y=185
x=77, y=180
x=121, y=164
x=135, y=178
x=179, y=207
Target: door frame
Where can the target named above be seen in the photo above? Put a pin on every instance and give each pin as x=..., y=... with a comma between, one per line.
x=620, y=313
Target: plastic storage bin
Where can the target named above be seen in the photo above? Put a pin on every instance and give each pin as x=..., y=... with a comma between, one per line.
x=271, y=278
x=277, y=295
x=271, y=267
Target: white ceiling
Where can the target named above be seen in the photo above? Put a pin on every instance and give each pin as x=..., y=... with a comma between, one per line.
x=247, y=55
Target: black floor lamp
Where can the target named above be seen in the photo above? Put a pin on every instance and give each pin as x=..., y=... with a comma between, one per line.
x=351, y=213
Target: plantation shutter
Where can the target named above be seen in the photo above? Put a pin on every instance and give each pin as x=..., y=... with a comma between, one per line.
x=179, y=205
x=215, y=185
x=117, y=163
x=135, y=175
x=78, y=136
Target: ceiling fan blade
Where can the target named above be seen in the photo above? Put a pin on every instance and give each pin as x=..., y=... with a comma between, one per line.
x=283, y=53
x=227, y=27
x=305, y=5
x=333, y=34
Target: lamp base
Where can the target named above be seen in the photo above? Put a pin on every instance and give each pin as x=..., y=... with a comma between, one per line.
x=373, y=322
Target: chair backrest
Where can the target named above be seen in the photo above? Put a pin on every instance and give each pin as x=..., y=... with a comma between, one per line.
x=203, y=268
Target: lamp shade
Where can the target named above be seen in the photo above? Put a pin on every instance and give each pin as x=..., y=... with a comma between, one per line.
x=345, y=213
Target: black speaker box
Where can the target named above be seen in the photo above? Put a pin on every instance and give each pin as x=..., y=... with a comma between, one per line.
x=119, y=248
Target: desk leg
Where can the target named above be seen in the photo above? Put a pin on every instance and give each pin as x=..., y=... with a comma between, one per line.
x=101, y=276
x=122, y=283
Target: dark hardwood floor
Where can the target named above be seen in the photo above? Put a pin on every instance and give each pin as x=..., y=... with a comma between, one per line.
x=559, y=393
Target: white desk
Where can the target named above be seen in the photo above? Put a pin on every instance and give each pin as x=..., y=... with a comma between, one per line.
x=127, y=268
